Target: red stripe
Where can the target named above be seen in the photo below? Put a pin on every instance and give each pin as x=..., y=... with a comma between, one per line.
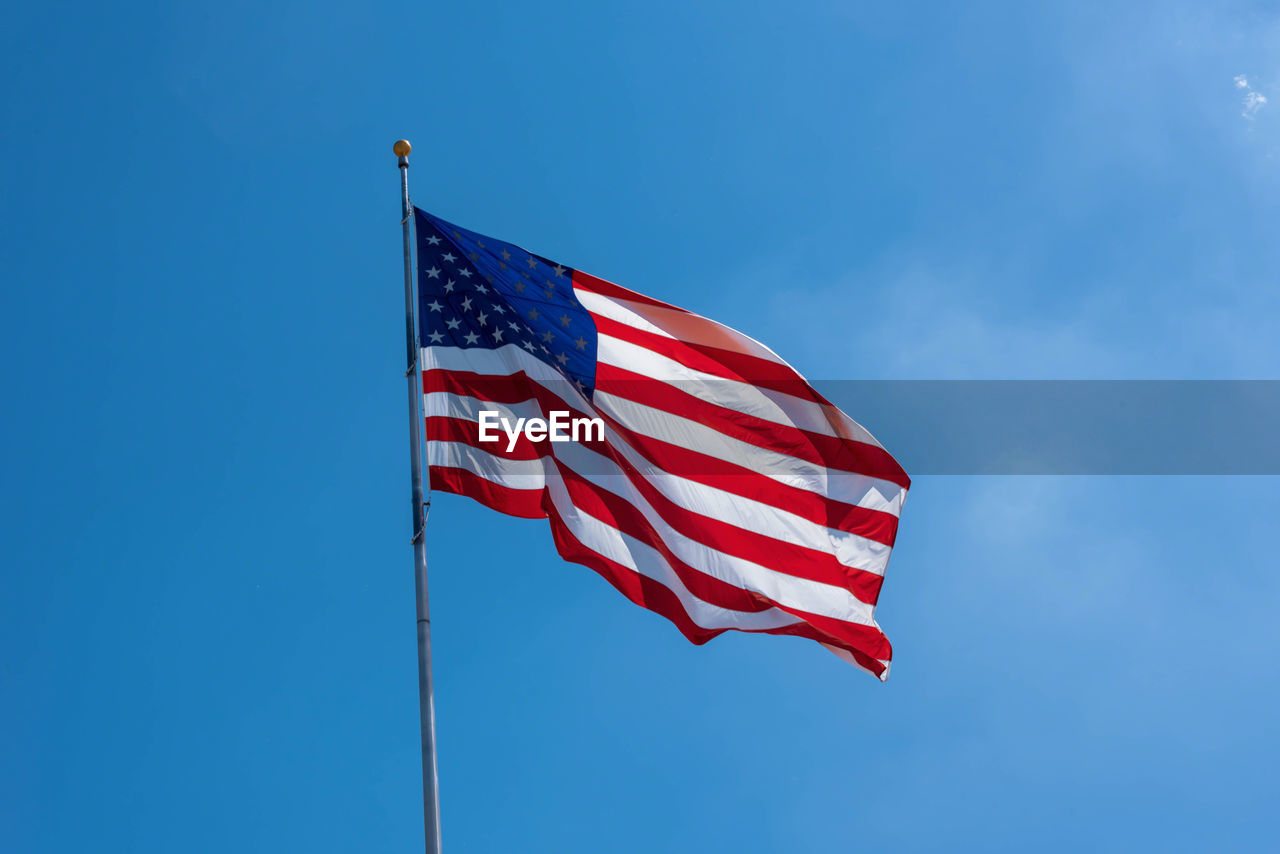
x=444, y=428
x=441, y=428
x=865, y=643
x=704, y=357
x=753, y=370
x=639, y=588
x=739, y=480
x=654, y=596
x=617, y=513
x=588, y=282
x=829, y=451
x=702, y=468
x=526, y=503
x=789, y=558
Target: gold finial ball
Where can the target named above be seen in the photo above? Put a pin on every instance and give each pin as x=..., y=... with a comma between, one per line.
x=402, y=148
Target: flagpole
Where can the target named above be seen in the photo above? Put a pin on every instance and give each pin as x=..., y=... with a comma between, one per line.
x=426, y=703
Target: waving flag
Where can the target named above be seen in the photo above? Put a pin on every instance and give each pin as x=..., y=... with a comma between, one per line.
x=718, y=489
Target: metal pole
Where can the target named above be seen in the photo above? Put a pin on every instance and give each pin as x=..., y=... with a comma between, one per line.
x=426, y=703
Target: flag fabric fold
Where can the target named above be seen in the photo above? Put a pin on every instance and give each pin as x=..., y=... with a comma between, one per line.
x=719, y=489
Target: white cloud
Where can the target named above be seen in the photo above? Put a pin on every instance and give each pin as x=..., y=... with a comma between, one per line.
x=1252, y=103
x=1253, y=100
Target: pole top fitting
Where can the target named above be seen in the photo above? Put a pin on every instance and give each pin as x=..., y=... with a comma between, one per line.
x=402, y=148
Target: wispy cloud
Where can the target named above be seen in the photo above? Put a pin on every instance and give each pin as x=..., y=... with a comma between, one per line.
x=1253, y=99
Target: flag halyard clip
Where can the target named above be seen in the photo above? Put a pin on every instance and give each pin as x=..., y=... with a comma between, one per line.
x=426, y=506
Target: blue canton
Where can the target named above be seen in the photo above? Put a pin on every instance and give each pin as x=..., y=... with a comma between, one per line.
x=474, y=291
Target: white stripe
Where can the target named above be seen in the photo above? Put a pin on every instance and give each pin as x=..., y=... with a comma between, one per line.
x=859, y=490
x=764, y=403
x=813, y=597
x=846, y=656
x=515, y=474
x=848, y=549
x=608, y=541
x=619, y=310
x=638, y=316
x=504, y=361
x=638, y=556
x=855, y=489
x=748, y=514
x=692, y=327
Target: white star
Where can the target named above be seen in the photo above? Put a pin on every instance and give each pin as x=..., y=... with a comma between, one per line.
x=513, y=326
x=466, y=304
x=448, y=286
x=482, y=289
x=434, y=306
x=472, y=338
x=483, y=318
x=433, y=240
x=464, y=272
x=433, y=273
x=546, y=336
x=497, y=334
x=499, y=309
x=562, y=359
x=453, y=324
x=436, y=337
x=450, y=257
x=559, y=270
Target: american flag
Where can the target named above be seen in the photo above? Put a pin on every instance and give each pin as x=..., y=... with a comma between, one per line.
x=726, y=493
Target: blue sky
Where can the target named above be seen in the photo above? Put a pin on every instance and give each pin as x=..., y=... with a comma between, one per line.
x=206, y=609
